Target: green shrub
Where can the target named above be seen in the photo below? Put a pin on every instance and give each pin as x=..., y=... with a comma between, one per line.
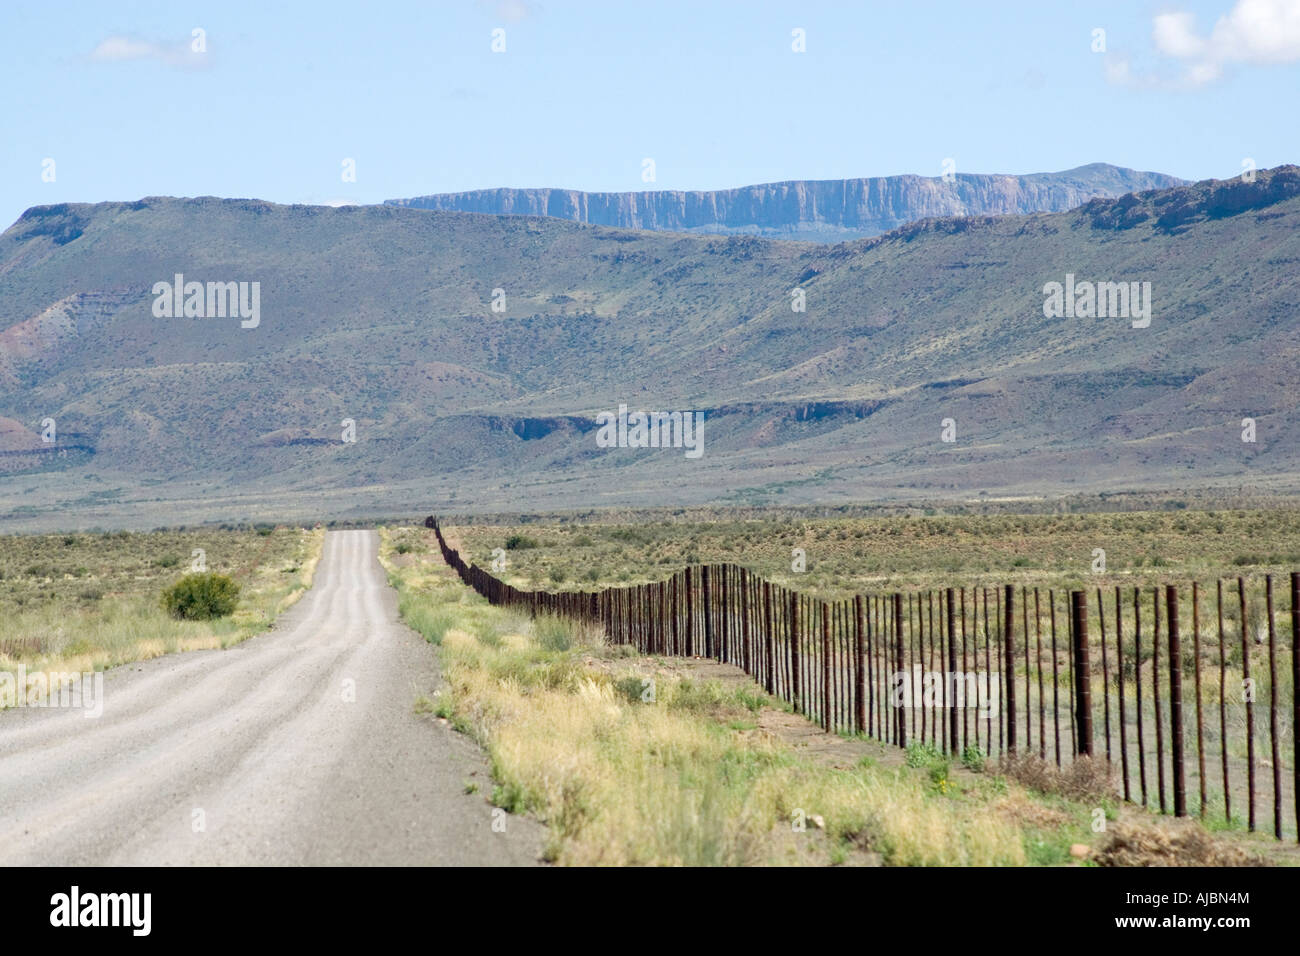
x=632, y=689
x=431, y=622
x=517, y=542
x=552, y=633
x=701, y=698
x=201, y=597
x=922, y=754
x=940, y=771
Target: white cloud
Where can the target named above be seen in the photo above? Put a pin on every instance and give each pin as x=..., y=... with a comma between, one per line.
x=1260, y=31
x=1252, y=33
x=1174, y=34
x=125, y=49
x=512, y=11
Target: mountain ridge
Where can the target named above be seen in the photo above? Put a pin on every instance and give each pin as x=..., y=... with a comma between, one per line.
x=383, y=315
x=833, y=210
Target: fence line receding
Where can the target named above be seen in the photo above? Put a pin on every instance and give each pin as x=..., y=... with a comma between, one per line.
x=980, y=667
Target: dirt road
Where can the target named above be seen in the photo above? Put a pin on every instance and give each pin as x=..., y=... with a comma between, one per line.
x=297, y=747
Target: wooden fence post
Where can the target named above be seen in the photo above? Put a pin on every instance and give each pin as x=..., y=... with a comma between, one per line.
x=1272, y=712
x=1082, y=672
x=859, y=683
x=952, y=677
x=1200, y=720
x=1119, y=672
x=1176, y=701
x=826, y=667
x=706, y=601
x=746, y=628
x=1008, y=642
x=767, y=636
x=795, y=684
x=1295, y=697
x=901, y=670
x=1250, y=705
x=690, y=611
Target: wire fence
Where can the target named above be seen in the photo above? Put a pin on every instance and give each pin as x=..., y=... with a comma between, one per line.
x=1188, y=695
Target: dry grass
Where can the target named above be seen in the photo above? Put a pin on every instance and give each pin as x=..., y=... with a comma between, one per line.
x=108, y=613
x=688, y=780
x=1084, y=779
x=623, y=776
x=624, y=782
x=1170, y=845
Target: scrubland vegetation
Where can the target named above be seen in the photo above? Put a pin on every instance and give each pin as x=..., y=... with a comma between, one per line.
x=927, y=553
x=641, y=760
x=81, y=602
x=849, y=555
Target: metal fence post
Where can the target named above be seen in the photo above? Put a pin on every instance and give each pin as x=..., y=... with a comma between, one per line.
x=1082, y=672
x=1009, y=661
x=1176, y=701
x=901, y=735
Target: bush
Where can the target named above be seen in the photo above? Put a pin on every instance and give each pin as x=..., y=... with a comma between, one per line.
x=552, y=633
x=431, y=622
x=922, y=754
x=517, y=542
x=633, y=689
x=201, y=597
x=974, y=758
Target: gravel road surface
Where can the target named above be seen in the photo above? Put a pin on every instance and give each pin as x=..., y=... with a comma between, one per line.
x=297, y=747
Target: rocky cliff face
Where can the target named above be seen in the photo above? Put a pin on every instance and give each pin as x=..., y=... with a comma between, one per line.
x=825, y=211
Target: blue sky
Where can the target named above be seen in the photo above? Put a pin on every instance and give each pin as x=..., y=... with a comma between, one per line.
x=585, y=91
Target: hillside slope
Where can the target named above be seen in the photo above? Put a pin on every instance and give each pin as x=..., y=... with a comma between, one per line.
x=382, y=315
